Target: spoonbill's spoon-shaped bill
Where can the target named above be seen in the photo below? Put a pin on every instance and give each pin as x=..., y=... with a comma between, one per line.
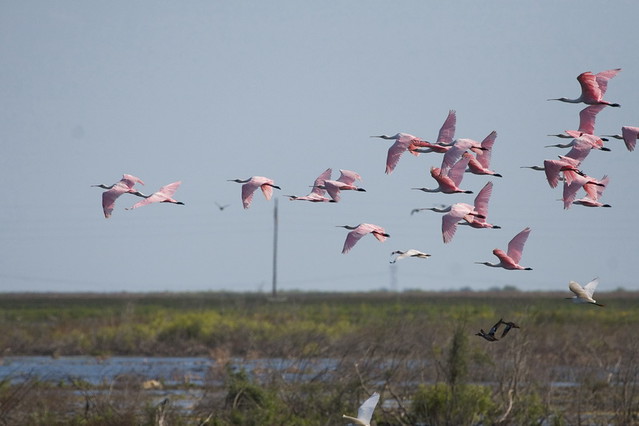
x=365, y=411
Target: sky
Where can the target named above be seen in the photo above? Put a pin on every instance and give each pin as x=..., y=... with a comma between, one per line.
x=206, y=91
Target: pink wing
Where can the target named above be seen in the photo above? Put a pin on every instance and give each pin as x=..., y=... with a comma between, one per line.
x=481, y=201
x=587, y=118
x=333, y=189
x=130, y=180
x=169, y=190
x=450, y=219
x=580, y=150
x=394, y=153
x=348, y=177
x=108, y=200
x=484, y=156
x=447, y=131
x=267, y=190
x=320, y=182
x=603, y=77
x=456, y=173
x=248, y=189
x=630, y=136
x=516, y=245
x=590, y=91
x=352, y=238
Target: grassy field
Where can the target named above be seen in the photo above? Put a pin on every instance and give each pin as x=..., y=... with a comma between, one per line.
x=417, y=349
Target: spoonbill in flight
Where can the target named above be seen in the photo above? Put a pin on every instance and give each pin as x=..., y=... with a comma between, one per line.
x=449, y=182
x=629, y=136
x=359, y=231
x=251, y=184
x=575, y=181
x=445, y=138
x=480, y=163
x=163, y=195
x=593, y=88
x=511, y=259
x=553, y=168
x=454, y=213
x=593, y=201
x=587, y=117
x=365, y=411
x=409, y=253
x=403, y=141
x=584, y=294
x=123, y=186
x=344, y=183
x=317, y=193
x=481, y=207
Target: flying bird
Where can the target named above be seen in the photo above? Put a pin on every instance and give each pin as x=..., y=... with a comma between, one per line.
x=317, y=193
x=251, y=184
x=584, y=294
x=592, y=200
x=408, y=253
x=123, y=186
x=454, y=213
x=403, y=141
x=581, y=145
x=220, y=206
x=481, y=207
x=553, y=169
x=163, y=195
x=587, y=117
x=629, y=136
x=480, y=163
x=511, y=259
x=449, y=182
x=365, y=411
x=490, y=336
x=345, y=182
x=359, y=231
x=451, y=156
x=509, y=325
x=575, y=181
x=593, y=88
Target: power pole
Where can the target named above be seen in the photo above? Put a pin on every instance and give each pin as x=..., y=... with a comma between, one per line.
x=275, y=221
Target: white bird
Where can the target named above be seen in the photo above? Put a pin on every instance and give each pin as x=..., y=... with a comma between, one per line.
x=584, y=294
x=409, y=253
x=365, y=411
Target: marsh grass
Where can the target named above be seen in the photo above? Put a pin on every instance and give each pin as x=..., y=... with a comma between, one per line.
x=417, y=349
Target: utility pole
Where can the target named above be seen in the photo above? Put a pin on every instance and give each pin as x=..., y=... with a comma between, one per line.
x=275, y=221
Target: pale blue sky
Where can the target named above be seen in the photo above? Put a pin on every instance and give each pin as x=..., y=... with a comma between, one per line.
x=205, y=91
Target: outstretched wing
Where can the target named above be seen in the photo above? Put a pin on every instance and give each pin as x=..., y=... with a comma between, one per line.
x=481, y=201
x=320, y=182
x=603, y=77
x=447, y=131
x=591, y=286
x=487, y=143
x=365, y=411
x=587, y=118
x=516, y=245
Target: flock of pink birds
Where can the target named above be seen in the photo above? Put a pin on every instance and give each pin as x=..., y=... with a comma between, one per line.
x=460, y=156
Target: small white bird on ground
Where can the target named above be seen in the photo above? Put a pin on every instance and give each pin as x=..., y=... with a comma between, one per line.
x=584, y=294
x=365, y=411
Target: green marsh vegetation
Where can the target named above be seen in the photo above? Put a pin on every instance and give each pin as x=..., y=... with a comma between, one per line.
x=568, y=364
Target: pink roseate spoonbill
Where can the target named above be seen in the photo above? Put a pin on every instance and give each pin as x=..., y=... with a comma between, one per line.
x=481, y=207
x=454, y=213
x=402, y=143
x=365, y=411
x=575, y=181
x=449, y=183
x=587, y=117
x=317, y=193
x=409, y=253
x=511, y=259
x=344, y=183
x=593, y=201
x=629, y=135
x=359, y=231
x=123, y=186
x=553, y=168
x=593, y=88
x=251, y=184
x=584, y=294
x=163, y=195
x=444, y=138
x=455, y=152
x=581, y=144
x=480, y=163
